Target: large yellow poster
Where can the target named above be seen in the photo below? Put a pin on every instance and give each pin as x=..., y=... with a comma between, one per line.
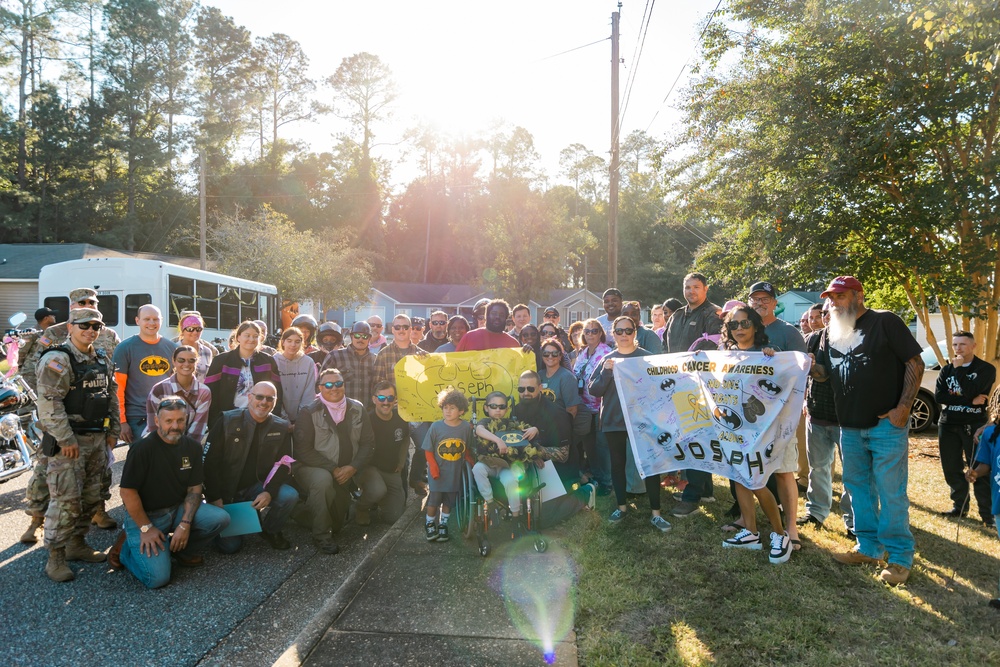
x=419, y=379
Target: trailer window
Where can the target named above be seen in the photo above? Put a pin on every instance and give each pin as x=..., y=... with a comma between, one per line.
x=181, y=298
x=133, y=302
x=60, y=304
x=108, y=305
x=249, y=309
x=207, y=303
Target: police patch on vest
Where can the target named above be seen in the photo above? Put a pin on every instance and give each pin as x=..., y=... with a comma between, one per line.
x=154, y=365
x=185, y=463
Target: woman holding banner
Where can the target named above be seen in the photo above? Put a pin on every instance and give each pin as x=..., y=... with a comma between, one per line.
x=744, y=330
x=612, y=421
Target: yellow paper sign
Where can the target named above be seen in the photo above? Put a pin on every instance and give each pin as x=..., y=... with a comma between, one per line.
x=419, y=379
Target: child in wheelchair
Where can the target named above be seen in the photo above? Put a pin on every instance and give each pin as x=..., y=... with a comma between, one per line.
x=499, y=458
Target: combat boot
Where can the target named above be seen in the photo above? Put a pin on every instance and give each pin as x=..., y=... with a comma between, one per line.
x=77, y=549
x=102, y=520
x=56, y=568
x=31, y=535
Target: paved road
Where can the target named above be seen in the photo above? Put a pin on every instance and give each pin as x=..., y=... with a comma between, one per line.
x=244, y=609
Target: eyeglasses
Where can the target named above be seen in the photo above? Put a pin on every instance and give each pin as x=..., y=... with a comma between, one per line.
x=193, y=329
x=380, y=398
x=171, y=404
x=375, y=326
x=627, y=331
x=496, y=406
x=733, y=325
x=595, y=332
x=361, y=336
x=263, y=398
x=529, y=390
x=551, y=315
x=554, y=353
x=181, y=361
x=87, y=302
x=438, y=323
x=401, y=327
x=96, y=326
x=330, y=385
x=760, y=299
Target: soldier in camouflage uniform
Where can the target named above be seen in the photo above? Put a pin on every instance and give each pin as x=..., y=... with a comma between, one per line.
x=78, y=410
x=37, y=493
x=44, y=318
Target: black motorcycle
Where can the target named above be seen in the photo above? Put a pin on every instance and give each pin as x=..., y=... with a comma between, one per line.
x=20, y=436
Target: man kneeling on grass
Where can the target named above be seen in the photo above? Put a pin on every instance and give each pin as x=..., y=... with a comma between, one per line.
x=161, y=490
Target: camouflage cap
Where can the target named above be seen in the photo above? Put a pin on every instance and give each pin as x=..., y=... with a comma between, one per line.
x=81, y=293
x=81, y=315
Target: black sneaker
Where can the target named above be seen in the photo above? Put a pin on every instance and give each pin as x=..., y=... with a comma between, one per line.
x=989, y=522
x=431, y=531
x=808, y=518
x=276, y=540
x=442, y=533
x=953, y=513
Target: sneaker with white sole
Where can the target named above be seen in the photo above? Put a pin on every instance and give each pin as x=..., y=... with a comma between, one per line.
x=659, y=522
x=685, y=509
x=781, y=548
x=744, y=540
x=616, y=516
x=592, y=495
x=431, y=531
x=704, y=499
x=442, y=532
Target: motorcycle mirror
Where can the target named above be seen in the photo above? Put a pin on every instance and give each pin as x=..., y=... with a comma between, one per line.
x=16, y=319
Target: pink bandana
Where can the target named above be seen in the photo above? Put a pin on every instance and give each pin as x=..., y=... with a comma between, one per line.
x=337, y=410
x=190, y=321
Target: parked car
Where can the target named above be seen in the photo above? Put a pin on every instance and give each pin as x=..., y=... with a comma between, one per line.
x=925, y=411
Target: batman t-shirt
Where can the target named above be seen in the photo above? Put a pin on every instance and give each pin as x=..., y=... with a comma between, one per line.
x=448, y=444
x=867, y=370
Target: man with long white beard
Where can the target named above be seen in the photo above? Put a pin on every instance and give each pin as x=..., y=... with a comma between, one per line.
x=874, y=365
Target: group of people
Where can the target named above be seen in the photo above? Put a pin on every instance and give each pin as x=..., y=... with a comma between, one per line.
x=309, y=430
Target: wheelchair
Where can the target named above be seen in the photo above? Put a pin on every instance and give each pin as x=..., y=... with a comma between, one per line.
x=481, y=519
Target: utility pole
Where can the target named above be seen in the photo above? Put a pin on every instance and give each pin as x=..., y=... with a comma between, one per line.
x=203, y=210
x=613, y=192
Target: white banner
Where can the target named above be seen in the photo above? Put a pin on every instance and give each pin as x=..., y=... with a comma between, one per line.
x=727, y=413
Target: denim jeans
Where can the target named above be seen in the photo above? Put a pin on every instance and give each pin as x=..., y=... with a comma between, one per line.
x=699, y=486
x=138, y=426
x=274, y=515
x=822, y=445
x=154, y=571
x=876, y=469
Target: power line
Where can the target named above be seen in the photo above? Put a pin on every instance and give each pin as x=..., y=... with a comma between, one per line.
x=684, y=66
x=562, y=53
x=647, y=16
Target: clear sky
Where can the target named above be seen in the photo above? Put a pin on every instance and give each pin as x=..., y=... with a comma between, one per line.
x=460, y=64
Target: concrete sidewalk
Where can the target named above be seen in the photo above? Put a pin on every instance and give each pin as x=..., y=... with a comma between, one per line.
x=413, y=602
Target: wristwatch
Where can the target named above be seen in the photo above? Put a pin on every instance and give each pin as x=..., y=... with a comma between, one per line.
x=145, y=529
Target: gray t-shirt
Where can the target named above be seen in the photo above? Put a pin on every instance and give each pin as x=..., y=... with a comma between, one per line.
x=563, y=386
x=784, y=336
x=448, y=444
x=145, y=364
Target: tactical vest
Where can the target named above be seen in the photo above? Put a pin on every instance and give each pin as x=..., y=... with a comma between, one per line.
x=88, y=398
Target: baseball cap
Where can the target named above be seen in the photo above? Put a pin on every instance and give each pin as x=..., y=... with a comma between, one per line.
x=82, y=293
x=42, y=313
x=551, y=310
x=81, y=315
x=842, y=284
x=762, y=287
x=732, y=304
x=417, y=322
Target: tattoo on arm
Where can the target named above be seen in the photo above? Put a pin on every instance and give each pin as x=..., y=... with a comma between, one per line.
x=911, y=381
x=191, y=502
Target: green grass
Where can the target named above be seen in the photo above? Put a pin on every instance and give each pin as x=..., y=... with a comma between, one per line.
x=645, y=598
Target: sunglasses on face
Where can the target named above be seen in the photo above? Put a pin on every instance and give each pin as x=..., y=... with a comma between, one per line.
x=593, y=332
x=193, y=329
x=496, y=406
x=385, y=399
x=438, y=323
x=529, y=390
x=263, y=398
x=375, y=326
x=361, y=336
x=401, y=327
x=181, y=361
x=627, y=331
x=733, y=325
x=330, y=385
x=96, y=326
x=551, y=354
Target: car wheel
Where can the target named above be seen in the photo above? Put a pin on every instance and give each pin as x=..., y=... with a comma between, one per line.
x=923, y=413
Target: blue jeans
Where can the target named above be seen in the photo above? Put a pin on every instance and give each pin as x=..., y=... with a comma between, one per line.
x=699, y=486
x=138, y=425
x=154, y=571
x=876, y=469
x=274, y=515
x=822, y=445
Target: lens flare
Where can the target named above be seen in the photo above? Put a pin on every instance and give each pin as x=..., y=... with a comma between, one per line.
x=539, y=591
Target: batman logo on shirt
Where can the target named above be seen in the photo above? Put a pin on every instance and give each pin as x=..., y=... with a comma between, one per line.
x=451, y=449
x=154, y=365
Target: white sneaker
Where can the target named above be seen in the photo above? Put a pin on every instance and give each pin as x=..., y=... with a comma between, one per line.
x=660, y=523
x=781, y=548
x=744, y=540
x=592, y=496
